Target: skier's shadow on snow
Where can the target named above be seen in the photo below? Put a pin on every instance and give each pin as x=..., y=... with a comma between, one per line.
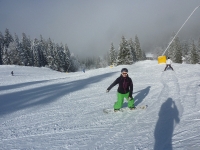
x=168, y=117
x=140, y=96
x=168, y=68
x=20, y=85
x=45, y=94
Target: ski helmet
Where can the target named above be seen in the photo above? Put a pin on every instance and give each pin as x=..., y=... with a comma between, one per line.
x=124, y=70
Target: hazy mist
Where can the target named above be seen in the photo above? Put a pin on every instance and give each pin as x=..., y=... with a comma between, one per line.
x=89, y=26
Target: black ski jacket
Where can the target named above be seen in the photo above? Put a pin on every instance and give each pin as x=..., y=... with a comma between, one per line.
x=125, y=85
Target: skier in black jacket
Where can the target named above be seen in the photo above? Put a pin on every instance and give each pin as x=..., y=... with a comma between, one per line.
x=125, y=90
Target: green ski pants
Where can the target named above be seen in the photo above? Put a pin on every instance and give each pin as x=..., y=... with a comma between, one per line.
x=120, y=101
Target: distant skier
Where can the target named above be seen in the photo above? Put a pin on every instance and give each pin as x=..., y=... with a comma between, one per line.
x=125, y=90
x=168, y=64
x=12, y=73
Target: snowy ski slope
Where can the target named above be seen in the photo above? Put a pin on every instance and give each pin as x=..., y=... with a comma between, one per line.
x=41, y=109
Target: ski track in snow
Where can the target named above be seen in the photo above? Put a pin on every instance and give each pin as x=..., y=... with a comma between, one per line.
x=51, y=110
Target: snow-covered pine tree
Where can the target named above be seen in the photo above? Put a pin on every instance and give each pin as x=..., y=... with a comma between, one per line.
x=193, y=53
x=125, y=55
x=89, y=62
x=18, y=48
x=26, y=52
x=185, y=49
x=112, y=54
x=97, y=62
x=56, y=56
x=75, y=63
x=116, y=55
x=5, y=58
x=138, y=50
x=36, y=54
x=7, y=40
x=133, y=50
x=13, y=51
x=198, y=51
x=177, y=51
x=50, y=58
x=100, y=62
x=171, y=50
x=129, y=57
x=29, y=52
x=43, y=51
x=67, y=57
x=144, y=56
x=62, y=55
x=1, y=47
x=121, y=54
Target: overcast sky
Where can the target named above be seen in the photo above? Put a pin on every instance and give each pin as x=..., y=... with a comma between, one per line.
x=89, y=26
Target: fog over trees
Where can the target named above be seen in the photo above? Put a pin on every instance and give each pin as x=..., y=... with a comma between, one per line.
x=46, y=53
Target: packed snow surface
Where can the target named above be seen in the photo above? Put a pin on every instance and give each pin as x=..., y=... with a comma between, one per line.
x=41, y=109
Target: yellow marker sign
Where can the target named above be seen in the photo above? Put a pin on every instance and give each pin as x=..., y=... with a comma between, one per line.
x=162, y=60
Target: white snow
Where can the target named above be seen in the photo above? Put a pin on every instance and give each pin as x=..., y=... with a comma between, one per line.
x=41, y=109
